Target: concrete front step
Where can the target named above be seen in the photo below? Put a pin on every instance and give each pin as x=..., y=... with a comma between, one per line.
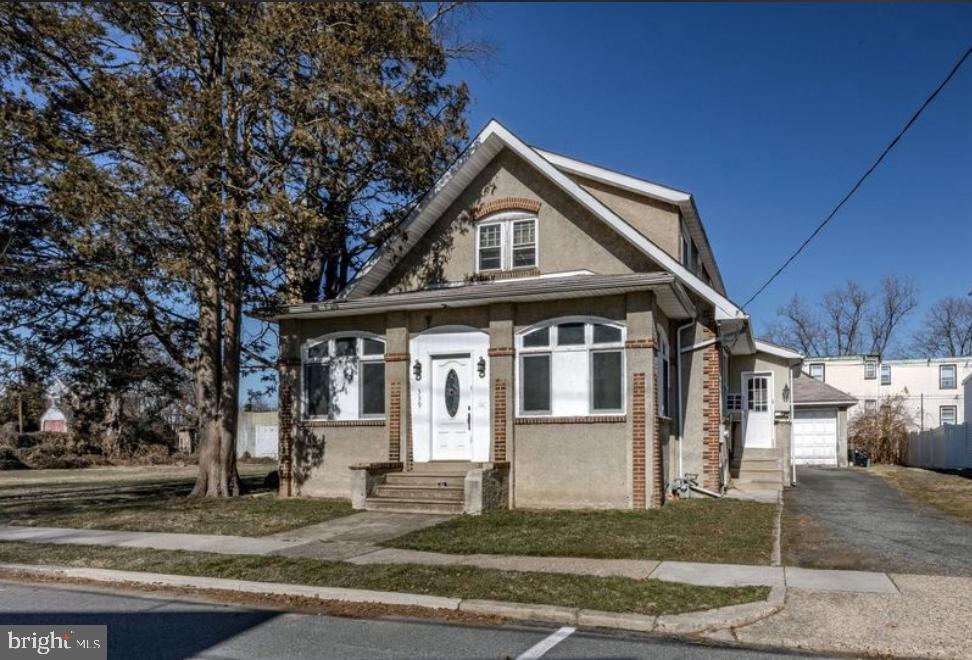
x=428, y=479
x=749, y=453
x=768, y=462
x=770, y=496
x=758, y=484
x=763, y=473
x=445, y=467
x=408, y=505
x=411, y=492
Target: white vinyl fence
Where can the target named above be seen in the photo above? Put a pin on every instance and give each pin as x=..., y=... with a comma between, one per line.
x=948, y=447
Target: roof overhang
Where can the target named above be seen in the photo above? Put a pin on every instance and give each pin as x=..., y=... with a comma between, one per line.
x=670, y=296
x=490, y=141
x=779, y=351
x=683, y=200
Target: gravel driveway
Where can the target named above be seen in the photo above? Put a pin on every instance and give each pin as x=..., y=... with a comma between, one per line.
x=851, y=519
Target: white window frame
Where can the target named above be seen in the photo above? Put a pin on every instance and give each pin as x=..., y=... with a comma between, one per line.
x=588, y=347
x=941, y=416
x=331, y=340
x=870, y=369
x=885, y=374
x=823, y=371
x=663, y=364
x=870, y=405
x=941, y=371
x=506, y=221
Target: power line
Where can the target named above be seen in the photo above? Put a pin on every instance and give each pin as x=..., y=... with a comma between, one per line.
x=866, y=174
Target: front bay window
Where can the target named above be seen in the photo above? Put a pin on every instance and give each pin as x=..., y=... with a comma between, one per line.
x=571, y=368
x=344, y=378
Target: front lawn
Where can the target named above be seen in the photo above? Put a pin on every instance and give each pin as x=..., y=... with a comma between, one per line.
x=153, y=500
x=724, y=531
x=949, y=493
x=614, y=594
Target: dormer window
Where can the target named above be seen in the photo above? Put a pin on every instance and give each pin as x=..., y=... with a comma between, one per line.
x=506, y=241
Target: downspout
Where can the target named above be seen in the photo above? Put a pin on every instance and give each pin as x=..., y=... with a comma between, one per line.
x=792, y=422
x=681, y=413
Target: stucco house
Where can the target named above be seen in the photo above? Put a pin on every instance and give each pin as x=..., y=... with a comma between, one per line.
x=540, y=333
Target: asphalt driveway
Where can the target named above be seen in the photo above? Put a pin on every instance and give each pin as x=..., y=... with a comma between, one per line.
x=854, y=520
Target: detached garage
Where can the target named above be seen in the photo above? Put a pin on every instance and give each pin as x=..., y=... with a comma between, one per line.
x=819, y=432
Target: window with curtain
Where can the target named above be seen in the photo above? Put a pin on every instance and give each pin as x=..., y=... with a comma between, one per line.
x=344, y=378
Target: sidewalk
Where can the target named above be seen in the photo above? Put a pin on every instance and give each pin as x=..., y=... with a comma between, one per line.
x=349, y=542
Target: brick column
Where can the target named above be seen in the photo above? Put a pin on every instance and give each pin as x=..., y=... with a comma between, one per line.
x=502, y=407
x=397, y=387
x=711, y=412
x=288, y=371
x=644, y=442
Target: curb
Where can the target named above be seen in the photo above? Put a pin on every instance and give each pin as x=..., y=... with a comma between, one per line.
x=689, y=623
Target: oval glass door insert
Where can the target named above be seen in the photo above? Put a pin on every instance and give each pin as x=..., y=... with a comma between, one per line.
x=452, y=392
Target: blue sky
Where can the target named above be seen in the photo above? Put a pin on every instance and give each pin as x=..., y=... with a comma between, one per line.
x=767, y=114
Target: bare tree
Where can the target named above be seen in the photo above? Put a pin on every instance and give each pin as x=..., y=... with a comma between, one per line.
x=844, y=310
x=947, y=329
x=896, y=298
x=847, y=320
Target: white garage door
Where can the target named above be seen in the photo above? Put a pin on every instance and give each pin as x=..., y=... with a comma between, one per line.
x=815, y=437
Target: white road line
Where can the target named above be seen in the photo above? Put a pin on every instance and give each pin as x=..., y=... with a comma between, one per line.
x=539, y=649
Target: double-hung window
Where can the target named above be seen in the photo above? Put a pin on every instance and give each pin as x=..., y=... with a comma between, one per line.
x=947, y=415
x=344, y=378
x=885, y=374
x=870, y=370
x=571, y=368
x=947, y=378
x=817, y=371
x=506, y=241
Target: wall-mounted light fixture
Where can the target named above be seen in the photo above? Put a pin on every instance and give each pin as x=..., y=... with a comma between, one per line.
x=417, y=370
x=786, y=392
x=481, y=366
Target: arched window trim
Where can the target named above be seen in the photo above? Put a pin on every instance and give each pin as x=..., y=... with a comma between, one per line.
x=506, y=220
x=552, y=348
x=354, y=361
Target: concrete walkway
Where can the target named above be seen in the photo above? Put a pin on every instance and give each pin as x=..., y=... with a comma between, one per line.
x=345, y=539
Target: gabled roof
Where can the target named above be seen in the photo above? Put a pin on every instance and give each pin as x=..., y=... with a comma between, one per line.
x=490, y=141
x=683, y=200
x=764, y=346
x=809, y=391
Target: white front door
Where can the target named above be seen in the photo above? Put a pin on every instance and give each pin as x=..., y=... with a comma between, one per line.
x=757, y=390
x=815, y=437
x=451, y=407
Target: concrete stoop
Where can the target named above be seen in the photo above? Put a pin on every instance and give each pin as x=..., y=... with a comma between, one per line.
x=757, y=474
x=676, y=624
x=435, y=487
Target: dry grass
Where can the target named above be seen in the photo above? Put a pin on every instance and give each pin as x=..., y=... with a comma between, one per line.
x=949, y=493
x=724, y=531
x=602, y=593
x=153, y=499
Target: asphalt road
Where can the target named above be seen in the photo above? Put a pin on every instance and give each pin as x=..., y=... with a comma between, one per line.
x=149, y=626
x=878, y=525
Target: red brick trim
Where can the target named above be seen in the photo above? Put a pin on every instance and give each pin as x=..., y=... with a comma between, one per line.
x=499, y=419
x=339, y=423
x=505, y=204
x=640, y=343
x=638, y=441
x=395, y=421
x=711, y=414
x=285, y=441
x=599, y=419
x=657, y=468
x=531, y=271
x=396, y=357
x=501, y=352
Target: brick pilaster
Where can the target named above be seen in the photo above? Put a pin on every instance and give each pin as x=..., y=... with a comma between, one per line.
x=500, y=412
x=638, y=441
x=395, y=421
x=711, y=414
x=288, y=373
